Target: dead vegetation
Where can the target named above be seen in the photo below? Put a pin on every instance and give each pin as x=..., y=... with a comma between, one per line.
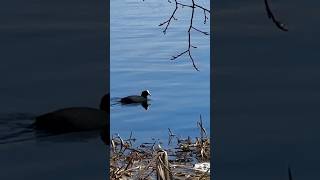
x=186, y=159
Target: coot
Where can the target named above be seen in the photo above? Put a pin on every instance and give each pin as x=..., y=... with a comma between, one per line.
x=143, y=98
x=76, y=118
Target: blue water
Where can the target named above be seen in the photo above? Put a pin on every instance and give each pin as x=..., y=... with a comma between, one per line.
x=53, y=56
x=140, y=59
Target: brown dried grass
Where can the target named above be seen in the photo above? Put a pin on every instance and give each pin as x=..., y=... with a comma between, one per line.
x=151, y=161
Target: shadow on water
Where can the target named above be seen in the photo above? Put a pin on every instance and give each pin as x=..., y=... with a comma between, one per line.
x=19, y=127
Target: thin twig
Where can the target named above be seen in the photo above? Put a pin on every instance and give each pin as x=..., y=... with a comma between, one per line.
x=273, y=18
x=167, y=23
x=171, y=17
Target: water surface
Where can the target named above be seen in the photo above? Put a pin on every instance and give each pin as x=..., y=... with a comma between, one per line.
x=267, y=91
x=53, y=56
x=140, y=59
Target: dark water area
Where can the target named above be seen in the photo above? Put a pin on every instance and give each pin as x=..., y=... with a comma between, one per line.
x=140, y=59
x=53, y=56
x=267, y=91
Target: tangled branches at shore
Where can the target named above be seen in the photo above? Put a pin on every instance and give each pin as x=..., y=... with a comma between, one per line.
x=193, y=6
x=189, y=159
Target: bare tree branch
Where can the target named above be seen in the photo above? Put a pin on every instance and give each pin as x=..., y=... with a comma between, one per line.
x=274, y=20
x=191, y=27
x=289, y=173
x=171, y=17
x=178, y=4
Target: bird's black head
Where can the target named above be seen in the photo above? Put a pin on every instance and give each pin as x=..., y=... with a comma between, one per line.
x=145, y=93
x=105, y=103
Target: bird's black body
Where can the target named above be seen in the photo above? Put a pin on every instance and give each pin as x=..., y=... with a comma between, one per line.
x=143, y=98
x=76, y=119
x=133, y=99
x=72, y=119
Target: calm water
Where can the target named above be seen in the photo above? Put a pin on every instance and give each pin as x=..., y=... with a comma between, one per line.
x=53, y=56
x=267, y=91
x=140, y=59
